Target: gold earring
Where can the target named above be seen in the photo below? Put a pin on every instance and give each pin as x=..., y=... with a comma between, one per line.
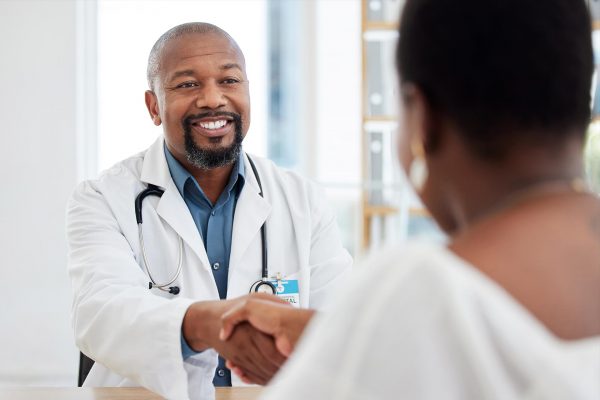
x=418, y=172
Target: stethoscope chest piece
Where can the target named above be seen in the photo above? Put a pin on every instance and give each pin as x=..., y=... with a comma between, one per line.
x=263, y=286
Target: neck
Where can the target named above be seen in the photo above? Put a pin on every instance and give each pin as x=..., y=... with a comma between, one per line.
x=212, y=181
x=487, y=189
x=534, y=191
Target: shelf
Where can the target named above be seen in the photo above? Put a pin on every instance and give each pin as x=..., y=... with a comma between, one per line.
x=419, y=212
x=381, y=118
x=370, y=210
x=381, y=26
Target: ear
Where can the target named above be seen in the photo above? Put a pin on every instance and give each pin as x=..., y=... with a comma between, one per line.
x=152, y=105
x=422, y=120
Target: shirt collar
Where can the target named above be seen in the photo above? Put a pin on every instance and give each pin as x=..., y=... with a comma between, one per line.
x=181, y=175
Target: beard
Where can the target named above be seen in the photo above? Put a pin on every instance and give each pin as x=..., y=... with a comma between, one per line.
x=210, y=158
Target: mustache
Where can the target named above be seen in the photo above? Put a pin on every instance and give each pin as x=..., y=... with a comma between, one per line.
x=190, y=119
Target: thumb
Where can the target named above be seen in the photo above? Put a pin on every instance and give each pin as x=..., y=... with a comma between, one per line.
x=283, y=345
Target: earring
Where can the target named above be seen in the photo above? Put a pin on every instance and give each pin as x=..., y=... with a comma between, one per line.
x=156, y=120
x=418, y=172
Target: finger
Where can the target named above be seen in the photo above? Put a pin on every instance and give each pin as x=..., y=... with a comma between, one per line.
x=266, y=357
x=260, y=344
x=230, y=364
x=250, y=379
x=284, y=346
x=269, y=297
x=265, y=363
x=263, y=315
x=231, y=318
x=246, y=354
x=269, y=350
x=244, y=376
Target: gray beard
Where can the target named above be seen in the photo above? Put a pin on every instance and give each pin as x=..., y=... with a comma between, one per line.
x=213, y=158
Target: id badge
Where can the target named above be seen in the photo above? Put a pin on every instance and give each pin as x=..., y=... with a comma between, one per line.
x=287, y=289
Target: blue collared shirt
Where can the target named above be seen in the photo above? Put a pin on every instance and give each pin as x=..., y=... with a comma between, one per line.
x=215, y=225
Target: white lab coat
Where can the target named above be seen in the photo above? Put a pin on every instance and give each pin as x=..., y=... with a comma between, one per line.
x=134, y=333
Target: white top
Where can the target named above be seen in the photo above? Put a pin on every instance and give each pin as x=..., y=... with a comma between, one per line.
x=420, y=323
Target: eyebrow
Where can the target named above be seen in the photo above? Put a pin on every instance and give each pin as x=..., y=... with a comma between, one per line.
x=190, y=72
x=187, y=72
x=230, y=66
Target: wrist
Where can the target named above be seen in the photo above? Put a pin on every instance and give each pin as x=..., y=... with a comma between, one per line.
x=200, y=325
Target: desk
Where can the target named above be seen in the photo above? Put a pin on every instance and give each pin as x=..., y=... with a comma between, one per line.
x=33, y=393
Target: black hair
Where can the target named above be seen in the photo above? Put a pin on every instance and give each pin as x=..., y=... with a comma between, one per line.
x=503, y=71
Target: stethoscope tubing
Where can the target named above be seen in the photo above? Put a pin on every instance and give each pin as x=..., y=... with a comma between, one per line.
x=263, y=228
x=153, y=190
x=153, y=282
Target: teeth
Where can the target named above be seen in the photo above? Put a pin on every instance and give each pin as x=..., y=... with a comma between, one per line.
x=213, y=124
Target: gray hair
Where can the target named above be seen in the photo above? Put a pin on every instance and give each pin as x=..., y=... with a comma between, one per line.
x=201, y=28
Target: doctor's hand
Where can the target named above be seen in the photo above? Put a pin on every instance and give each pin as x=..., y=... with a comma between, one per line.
x=269, y=315
x=252, y=350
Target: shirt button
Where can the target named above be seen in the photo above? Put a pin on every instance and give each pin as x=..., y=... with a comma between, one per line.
x=221, y=372
x=216, y=266
x=213, y=213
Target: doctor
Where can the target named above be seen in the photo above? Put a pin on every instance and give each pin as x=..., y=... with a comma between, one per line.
x=213, y=224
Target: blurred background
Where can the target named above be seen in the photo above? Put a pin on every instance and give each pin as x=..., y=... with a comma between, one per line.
x=324, y=103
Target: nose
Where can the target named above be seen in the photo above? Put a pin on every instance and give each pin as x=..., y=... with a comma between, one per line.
x=211, y=96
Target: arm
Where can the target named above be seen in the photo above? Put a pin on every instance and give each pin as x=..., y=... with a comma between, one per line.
x=117, y=321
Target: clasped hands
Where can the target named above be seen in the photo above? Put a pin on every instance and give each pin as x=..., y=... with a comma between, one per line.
x=254, y=333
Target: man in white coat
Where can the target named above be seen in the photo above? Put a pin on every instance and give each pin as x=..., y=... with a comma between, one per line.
x=147, y=306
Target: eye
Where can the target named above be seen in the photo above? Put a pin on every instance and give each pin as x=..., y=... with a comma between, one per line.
x=230, y=81
x=185, y=85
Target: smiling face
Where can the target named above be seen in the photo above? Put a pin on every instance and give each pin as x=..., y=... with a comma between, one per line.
x=201, y=98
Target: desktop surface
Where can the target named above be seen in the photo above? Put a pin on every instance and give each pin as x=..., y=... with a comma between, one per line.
x=137, y=393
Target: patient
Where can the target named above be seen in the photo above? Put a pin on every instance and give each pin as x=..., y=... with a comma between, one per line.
x=496, y=102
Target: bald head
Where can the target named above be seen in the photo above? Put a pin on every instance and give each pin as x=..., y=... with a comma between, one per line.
x=195, y=28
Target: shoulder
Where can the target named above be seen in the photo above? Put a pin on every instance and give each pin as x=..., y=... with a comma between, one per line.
x=414, y=260
x=286, y=183
x=268, y=170
x=120, y=181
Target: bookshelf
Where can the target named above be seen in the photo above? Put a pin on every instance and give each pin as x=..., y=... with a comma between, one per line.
x=379, y=114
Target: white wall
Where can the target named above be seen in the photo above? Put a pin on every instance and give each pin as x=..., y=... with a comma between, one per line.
x=37, y=174
x=124, y=125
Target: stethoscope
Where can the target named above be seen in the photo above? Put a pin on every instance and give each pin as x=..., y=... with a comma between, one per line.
x=263, y=285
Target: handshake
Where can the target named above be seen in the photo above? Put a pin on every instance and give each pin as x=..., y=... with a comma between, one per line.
x=255, y=333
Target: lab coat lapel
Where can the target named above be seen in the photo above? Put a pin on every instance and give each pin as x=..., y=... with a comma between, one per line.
x=251, y=212
x=172, y=207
